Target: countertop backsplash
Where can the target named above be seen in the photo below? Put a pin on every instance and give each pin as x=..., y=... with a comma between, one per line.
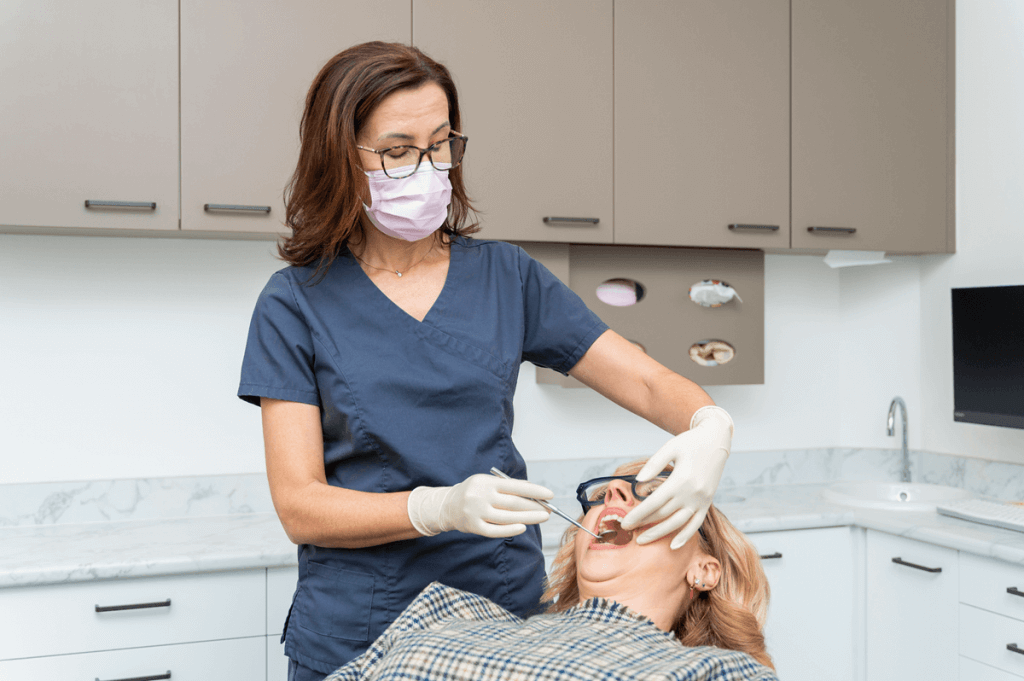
x=181, y=497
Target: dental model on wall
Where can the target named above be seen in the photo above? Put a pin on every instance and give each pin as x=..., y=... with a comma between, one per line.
x=712, y=293
x=710, y=353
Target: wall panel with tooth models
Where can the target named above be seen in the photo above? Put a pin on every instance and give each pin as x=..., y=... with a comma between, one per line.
x=664, y=321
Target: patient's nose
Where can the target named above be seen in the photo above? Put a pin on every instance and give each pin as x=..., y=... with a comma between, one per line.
x=619, y=491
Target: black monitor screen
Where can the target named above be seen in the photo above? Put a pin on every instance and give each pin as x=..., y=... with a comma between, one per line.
x=988, y=355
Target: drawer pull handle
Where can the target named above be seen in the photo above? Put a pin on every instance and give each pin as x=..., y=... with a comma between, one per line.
x=900, y=561
x=144, y=205
x=1016, y=592
x=133, y=606
x=231, y=207
x=770, y=228
x=832, y=230
x=769, y=556
x=1013, y=647
x=144, y=678
x=551, y=220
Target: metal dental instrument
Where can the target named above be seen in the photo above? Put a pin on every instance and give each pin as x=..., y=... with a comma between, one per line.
x=495, y=471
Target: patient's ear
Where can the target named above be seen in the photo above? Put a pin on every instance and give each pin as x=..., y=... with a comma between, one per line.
x=706, y=569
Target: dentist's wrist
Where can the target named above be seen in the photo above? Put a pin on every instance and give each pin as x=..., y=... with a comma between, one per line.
x=715, y=413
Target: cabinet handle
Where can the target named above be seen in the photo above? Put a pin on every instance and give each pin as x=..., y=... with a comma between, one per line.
x=900, y=561
x=770, y=228
x=133, y=606
x=769, y=556
x=144, y=678
x=1013, y=590
x=551, y=220
x=144, y=205
x=231, y=207
x=832, y=230
x=1013, y=647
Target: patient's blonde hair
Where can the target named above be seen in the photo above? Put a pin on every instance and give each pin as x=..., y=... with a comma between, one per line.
x=730, y=616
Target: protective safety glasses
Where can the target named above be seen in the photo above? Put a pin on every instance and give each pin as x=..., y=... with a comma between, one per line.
x=592, y=492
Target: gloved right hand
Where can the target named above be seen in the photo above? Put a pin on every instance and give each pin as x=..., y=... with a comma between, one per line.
x=481, y=504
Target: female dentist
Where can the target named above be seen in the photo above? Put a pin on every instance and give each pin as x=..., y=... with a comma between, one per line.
x=385, y=358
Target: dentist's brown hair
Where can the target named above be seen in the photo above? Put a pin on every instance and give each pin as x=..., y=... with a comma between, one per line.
x=322, y=201
x=730, y=616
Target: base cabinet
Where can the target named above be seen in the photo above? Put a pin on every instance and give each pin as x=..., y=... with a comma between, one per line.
x=240, y=659
x=976, y=671
x=810, y=628
x=912, y=609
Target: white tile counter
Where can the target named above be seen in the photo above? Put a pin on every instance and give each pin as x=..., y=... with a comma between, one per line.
x=76, y=552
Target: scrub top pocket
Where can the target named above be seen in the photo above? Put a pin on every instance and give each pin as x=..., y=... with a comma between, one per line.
x=335, y=603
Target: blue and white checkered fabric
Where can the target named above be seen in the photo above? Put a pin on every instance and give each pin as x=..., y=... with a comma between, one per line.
x=449, y=634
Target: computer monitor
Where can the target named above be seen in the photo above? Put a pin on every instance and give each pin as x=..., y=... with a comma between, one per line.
x=988, y=355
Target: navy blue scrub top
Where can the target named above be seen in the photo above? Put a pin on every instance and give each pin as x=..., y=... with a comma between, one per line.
x=405, y=403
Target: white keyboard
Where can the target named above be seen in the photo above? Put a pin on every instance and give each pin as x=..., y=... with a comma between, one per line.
x=994, y=513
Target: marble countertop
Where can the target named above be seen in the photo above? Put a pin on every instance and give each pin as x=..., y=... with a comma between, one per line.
x=48, y=554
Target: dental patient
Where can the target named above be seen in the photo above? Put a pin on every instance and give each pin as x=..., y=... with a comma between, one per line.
x=619, y=610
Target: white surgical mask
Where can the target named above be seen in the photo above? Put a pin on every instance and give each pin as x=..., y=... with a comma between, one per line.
x=410, y=208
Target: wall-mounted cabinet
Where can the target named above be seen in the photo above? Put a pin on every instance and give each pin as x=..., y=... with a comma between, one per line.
x=702, y=123
x=89, y=114
x=634, y=122
x=245, y=71
x=665, y=322
x=535, y=88
x=873, y=91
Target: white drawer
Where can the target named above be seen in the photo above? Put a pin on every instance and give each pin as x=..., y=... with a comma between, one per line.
x=240, y=659
x=984, y=583
x=984, y=636
x=280, y=590
x=62, y=618
x=976, y=671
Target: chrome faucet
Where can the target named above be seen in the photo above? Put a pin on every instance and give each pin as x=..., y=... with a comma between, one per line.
x=905, y=473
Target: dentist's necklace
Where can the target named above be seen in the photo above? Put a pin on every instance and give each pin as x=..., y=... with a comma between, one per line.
x=388, y=269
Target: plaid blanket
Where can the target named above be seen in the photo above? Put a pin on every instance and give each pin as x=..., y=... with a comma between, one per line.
x=449, y=634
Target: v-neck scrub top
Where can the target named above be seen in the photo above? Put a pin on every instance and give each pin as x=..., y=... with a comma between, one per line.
x=405, y=403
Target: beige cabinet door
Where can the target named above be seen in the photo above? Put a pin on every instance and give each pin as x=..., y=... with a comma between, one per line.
x=245, y=71
x=535, y=89
x=89, y=107
x=702, y=123
x=873, y=125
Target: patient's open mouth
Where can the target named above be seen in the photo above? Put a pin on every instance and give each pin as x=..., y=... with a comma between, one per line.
x=611, y=531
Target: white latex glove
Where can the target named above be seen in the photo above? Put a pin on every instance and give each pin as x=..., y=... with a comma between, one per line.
x=481, y=504
x=698, y=457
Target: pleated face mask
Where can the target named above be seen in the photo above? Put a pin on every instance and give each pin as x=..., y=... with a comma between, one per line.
x=410, y=208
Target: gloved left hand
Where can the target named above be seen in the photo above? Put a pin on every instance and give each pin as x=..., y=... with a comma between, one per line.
x=698, y=457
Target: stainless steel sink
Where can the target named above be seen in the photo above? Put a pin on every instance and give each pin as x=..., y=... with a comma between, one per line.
x=892, y=496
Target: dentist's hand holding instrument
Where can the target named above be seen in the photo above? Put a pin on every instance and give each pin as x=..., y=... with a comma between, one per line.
x=481, y=504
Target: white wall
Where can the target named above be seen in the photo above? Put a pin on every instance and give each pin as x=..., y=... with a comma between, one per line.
x=120, y=357
x=990, y=214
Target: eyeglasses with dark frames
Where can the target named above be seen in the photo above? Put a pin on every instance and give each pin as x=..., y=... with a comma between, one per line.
x=404, y=159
